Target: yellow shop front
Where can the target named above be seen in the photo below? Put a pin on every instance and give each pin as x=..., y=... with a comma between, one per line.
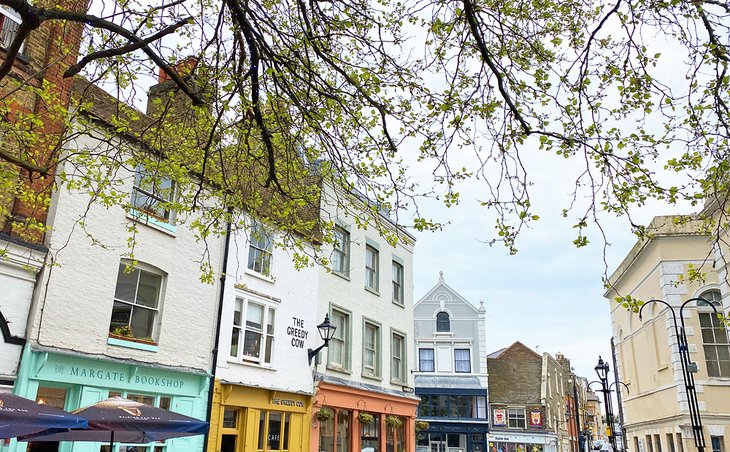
x=248, y=419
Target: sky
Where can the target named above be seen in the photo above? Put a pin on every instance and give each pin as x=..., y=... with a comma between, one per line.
x=549, y=296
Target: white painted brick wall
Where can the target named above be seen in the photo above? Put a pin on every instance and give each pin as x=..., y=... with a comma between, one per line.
x=297, y=292
x=75, y=308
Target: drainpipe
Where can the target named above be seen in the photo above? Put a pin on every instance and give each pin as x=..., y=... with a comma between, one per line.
x=211, y=386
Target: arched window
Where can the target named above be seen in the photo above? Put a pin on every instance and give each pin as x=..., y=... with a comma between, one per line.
x=442, y=322
x=712, y=296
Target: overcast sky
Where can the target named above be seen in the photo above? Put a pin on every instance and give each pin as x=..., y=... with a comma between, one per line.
x=550, y=295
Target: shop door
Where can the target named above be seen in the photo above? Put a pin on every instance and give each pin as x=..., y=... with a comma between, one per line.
x=437, y=446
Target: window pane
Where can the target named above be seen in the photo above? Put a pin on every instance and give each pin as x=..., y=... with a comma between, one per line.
x=121, y=313
x=343, y=430
x=252, y=344
x=274, y=434
x=142, y=322
x=720, y=335
x=285, y=440
x=126, y=284
x=147, y=293
x=262, y=430
x=235, y=334
x=255, y=316
x=237, y=312
x=442, y=322
x=425, y=360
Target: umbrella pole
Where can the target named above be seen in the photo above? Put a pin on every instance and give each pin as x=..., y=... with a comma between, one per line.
x=111, y=442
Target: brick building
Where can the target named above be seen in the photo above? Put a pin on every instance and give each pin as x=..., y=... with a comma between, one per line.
x=526, y=393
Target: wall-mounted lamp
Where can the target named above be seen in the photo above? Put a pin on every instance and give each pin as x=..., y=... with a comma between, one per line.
x=326, y=331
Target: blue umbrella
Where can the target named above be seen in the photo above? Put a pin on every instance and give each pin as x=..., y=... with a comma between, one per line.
x=19, y=416
x=125, y=421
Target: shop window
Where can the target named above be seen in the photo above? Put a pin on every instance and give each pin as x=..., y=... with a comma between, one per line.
x=426, y=361
x=260, y=249
x=462, y=360
x=398, y=358
x=230, y=418
x=54, y=397
x=153, y=194
x=398, y=297
x=341, y=252
x=443, y=325
x=137, y=302
x=273, y=431
x=252, y=338
x=372, y=259
x=334, y=433
x=338, y=352
x=395, y=436
x=371, y=350
x=342, y=435
x=516, y=418
x=370, y=435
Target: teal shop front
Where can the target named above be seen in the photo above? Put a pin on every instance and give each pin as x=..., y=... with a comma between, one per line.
x=71, y=382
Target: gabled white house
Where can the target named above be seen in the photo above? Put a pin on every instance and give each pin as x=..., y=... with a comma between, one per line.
x=451, y=375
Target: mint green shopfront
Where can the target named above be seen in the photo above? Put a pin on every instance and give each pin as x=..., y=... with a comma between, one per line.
x=72, y=381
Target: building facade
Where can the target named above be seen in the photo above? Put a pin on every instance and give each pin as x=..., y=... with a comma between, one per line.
x=364, y=397
x=656, y=410
x=451, y=377
x=109, y=323
x=263, y=393
x=527, y=402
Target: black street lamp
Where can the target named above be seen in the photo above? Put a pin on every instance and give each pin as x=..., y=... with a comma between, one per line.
x=602, y=372
x=326, y=331
x=688, y=367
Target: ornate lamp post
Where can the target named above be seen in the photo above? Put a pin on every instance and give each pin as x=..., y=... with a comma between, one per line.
x=602, y=372
x=326, y=331
x=688, y=367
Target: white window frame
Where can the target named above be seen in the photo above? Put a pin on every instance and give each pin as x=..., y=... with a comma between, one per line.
x=516, y=414
x=242, y=307
x=140, y=269
x=457, y=361
x=372, y=273
x=433, y=359
x=341, y=339
x=372, y=349
x=710, y=327
x=7, y=32
x=341, y=252
x=260, y=249
x=152, y=195
x=398, y=277
x=398, y=360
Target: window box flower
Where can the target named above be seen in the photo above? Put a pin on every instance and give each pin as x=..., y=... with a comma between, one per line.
x=365, y=418
x=324, y=414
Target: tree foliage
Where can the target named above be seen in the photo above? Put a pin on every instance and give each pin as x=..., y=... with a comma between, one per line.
x=375, y=94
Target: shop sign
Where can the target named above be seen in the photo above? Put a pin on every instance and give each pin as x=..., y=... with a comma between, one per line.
x=287, y=402
x=297, y=333
x=535, y=419
x=500, y=417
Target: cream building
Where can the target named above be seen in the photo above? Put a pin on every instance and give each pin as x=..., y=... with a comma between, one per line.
x=656, y=411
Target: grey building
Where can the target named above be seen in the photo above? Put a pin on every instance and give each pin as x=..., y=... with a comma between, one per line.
x=451, y=375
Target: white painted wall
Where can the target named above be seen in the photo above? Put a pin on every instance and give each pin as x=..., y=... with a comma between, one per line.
x=77, y=301
x=351, y=295
x=19, y=266
x=296, y=292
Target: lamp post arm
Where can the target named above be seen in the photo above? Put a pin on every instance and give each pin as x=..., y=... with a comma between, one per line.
x=621, y=382
x=313, y=353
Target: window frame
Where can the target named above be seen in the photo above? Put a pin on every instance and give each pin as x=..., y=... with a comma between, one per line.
x=260, y=249
x=398, y=282
x=440, y=322
x=712, y=359
x=372, y=274
x=377, y=349
x=341, y=251
x=141, y=268
x=168, y=214
x=456, y=361
x=398, y=362
x=266, y=340
x=7, y=13
x=343, y=335
x=513, y=413
x=421, y=360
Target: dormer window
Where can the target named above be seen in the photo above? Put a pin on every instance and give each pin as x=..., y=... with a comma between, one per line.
x=443, y=325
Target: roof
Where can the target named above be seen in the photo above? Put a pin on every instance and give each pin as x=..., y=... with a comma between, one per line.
x=516, y=344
